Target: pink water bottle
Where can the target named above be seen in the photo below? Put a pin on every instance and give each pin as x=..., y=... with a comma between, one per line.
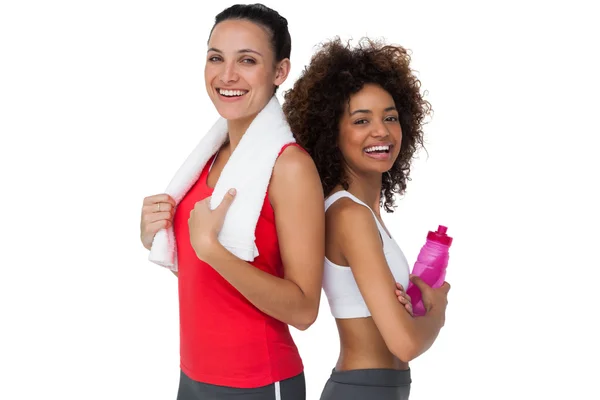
x=430, y=266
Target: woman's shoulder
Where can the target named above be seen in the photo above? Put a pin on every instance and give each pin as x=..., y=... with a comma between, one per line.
x=346, y=216
x=295, y=179
x=294, y=164
x=291, y=157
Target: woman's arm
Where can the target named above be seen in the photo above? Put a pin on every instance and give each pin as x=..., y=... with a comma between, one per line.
x=357, y=236
x=297, y=198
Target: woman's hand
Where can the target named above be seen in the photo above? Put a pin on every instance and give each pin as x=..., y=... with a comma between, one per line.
x=157, y=214
x=404, y=298
x=432, y=298
x=205, y=225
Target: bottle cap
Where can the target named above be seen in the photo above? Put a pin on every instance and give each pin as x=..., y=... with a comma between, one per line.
x=440, y=236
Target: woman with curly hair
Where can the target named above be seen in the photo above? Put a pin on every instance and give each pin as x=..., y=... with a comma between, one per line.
x=359, y=113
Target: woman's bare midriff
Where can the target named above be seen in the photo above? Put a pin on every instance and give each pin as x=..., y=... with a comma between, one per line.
x=362, y=347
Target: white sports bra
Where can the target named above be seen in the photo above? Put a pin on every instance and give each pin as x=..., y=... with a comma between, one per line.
x=343, y=295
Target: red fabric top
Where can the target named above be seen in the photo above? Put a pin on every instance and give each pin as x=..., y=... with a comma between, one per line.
x=224, y=339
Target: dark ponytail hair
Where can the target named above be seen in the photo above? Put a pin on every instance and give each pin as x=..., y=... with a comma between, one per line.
x=281, y=42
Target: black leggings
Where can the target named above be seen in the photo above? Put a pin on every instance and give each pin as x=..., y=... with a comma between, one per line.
x=289, y=389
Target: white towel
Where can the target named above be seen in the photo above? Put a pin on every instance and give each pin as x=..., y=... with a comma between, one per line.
x=248, y=170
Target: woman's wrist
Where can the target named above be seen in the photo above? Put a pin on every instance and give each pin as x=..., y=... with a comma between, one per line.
x=438, y=312
x=209, y=249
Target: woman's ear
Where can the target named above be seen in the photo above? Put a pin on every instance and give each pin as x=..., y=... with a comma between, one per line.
x=282, y=70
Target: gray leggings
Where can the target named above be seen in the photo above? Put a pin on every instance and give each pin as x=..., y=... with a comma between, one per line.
x=368, y=384
x=289, y=389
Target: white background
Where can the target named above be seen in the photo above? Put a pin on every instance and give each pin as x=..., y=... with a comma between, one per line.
x=100, y=102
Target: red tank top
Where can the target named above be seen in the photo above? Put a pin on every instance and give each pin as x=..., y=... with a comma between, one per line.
x=224, y=339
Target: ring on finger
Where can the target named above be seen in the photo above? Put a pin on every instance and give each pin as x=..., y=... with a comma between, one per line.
x=158, y=204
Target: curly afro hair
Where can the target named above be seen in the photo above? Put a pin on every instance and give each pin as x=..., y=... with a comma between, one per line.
x=316, y=102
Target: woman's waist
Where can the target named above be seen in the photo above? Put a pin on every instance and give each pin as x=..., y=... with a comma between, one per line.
x=242, y=367
x=240, y=351
x=363, y=347
x=352, y=358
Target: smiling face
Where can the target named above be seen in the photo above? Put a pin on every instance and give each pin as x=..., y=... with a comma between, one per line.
x=241, y=72
x=369, y=132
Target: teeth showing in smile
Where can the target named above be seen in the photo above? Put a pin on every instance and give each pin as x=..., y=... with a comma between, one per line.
x=232, y=93
x=378, y=149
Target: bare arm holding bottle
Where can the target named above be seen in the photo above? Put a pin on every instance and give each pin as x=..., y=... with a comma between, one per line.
x=406, y=337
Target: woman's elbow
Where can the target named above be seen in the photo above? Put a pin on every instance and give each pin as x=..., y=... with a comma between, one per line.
x=306, y=318
x=406, y=350
x=302, y=326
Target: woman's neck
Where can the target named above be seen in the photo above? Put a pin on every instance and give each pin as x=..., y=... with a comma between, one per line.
x=236, y=129
x=367, y=189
